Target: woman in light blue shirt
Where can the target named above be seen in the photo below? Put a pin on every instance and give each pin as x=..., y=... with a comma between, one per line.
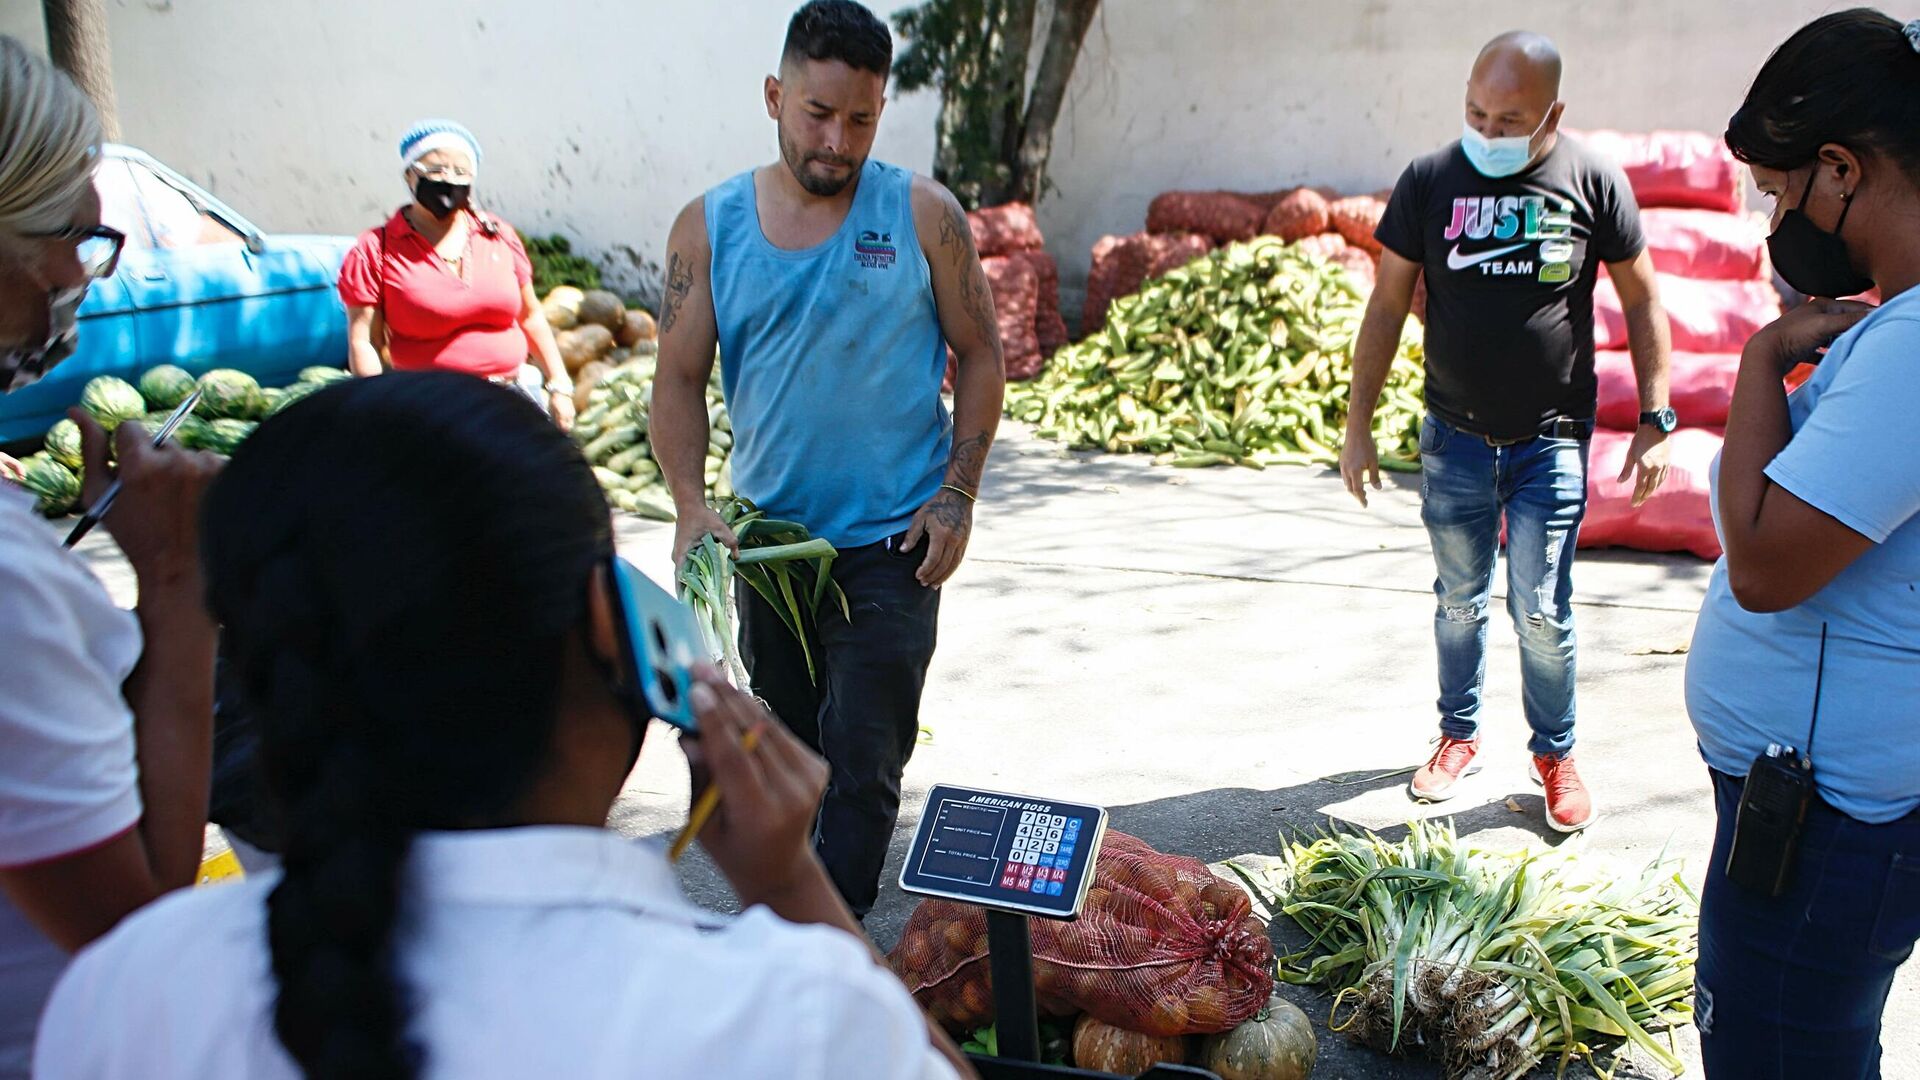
x=1815, y=609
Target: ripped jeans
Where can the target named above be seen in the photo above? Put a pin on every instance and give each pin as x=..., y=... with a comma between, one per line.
x=1540, y=485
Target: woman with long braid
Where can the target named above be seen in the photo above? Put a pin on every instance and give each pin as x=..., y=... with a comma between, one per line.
x=443, y=736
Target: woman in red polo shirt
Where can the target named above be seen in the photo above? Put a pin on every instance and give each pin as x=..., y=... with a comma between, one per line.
x=443, y=286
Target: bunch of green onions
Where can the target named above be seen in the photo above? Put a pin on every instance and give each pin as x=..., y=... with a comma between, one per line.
x=1491, y=961
x=791, y=570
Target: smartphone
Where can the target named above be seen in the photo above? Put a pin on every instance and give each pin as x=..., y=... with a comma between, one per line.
x=660, y=637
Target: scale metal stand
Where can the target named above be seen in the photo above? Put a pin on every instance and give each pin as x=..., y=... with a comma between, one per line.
x=1016, y=857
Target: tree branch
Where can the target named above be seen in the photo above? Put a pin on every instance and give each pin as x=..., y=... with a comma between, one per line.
x=1071, y=20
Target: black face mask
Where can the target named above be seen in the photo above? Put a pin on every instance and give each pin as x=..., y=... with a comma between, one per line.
x=1811, y=259
x=441, y=198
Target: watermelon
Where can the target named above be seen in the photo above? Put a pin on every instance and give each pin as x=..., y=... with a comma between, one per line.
x=293, y=393
x=226, y=394
x=270, y=399
x=192, y=433
x=225, y=436
x=166, y=386
x=112, y=401
x=324, y=375
x=63, y=444
x=56, y=488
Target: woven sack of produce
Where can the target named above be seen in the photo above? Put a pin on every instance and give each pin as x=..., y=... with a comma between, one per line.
x=1003, y=230
x=1297, y=215
x=1162, y=947
x=1674, y=168
x=1049, y=326
x=1358, y=263
x=1355, y=217
x=1117, y=260
x=1707, y=244
x=1706, y=316
x=1222, y=215
x=1700, y=387
x=1326, y=245
x=1678, y=517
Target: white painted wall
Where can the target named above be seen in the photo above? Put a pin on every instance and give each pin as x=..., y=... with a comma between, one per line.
x=602, y=117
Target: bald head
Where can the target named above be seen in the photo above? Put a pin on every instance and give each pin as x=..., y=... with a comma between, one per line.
x=1515, y=88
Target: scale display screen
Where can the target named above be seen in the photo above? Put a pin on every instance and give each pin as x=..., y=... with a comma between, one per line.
x=1013, y=852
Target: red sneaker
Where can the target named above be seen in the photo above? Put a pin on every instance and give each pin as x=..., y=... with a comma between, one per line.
x=1433, y=782
x=1569, y=805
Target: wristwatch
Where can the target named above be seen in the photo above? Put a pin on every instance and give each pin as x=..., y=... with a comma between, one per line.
x=1664, y=419
x=556, y=386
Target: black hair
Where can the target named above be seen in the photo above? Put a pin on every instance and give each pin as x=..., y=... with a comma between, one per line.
x=840, y=30
x=399, y=564
x=1852, y=77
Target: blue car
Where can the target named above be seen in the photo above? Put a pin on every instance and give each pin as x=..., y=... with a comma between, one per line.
x=198, y=286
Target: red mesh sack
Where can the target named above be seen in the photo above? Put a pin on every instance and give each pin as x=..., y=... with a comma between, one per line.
x=1169, y=253
x=1265, y=200
x=1016, y=296
x=1326, y=245
x=1222, y=215
x=1707, y=244
x=1162, y=947
x=1003, y=230
x=1119, y=266
x=1678, y=517
x=1700, y=388
x=1674, y=168
x=1355, y=218
x=1049, y=327
x=1706, y=316
x=1297, y=215
x=1358, y=263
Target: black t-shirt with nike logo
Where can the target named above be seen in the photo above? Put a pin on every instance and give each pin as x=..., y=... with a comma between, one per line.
x=1510, y=267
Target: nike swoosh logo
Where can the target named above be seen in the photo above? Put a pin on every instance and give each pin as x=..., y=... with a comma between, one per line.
x=1457, y=261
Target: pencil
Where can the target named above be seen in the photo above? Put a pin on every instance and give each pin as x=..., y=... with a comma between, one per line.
x=704, y=806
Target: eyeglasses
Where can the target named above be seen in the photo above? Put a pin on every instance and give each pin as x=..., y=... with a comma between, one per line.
x=444, y=174
x=98, y=247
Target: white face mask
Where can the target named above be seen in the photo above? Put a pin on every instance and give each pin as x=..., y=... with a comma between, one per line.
x=1495, y=158
x=23, y=365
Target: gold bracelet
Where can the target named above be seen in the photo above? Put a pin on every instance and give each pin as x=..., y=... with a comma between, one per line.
x=971, y=497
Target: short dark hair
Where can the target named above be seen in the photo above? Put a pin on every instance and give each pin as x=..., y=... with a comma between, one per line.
x=840, y=30
x=1852, y=77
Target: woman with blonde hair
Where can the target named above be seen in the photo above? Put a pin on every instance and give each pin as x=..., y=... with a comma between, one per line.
x=105, y=715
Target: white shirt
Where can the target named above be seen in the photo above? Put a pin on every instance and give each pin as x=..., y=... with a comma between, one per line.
x=68, y=779
x=530, y=952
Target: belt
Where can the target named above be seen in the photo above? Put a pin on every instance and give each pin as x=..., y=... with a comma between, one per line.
x=1560, y=427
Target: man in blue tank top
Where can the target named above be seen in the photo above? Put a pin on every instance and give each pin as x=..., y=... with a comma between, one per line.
x=833, y=286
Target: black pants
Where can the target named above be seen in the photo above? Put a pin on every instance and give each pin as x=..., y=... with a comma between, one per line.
x=863, y=714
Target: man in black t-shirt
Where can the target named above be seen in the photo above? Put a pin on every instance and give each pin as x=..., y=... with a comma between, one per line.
x=1510, y=225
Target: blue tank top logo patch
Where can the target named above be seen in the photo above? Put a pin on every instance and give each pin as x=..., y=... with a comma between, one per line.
x=875, y=250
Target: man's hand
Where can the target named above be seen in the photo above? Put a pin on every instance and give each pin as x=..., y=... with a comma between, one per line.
x=1798, y=336
x=761, y=834
x=946, y=522
x=696, y=526
x=560, y=407
x=11, y=469
x=156, y=517
x=1360, y=464
x=1648, y=454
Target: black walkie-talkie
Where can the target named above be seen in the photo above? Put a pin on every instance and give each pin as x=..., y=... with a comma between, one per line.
x=1773, y=808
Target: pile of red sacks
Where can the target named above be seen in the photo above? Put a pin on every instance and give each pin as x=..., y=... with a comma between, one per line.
x=1716, y=283
x=1025, y=283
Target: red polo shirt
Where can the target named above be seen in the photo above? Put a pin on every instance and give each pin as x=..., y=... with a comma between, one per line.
x=437, y=318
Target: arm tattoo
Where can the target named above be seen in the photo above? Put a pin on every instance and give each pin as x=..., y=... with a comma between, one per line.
x=956, y=239
x=968, y=461
x=951, y=512
x=679, y=282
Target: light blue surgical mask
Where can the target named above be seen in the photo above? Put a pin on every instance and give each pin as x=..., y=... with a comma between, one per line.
x=1496, y=158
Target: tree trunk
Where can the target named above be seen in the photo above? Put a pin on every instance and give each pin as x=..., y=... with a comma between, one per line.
x=78, y=41
x=1071, y=20
x=1009, y=44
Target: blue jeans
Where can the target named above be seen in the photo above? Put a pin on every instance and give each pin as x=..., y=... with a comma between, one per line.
x=1793, y=986
x=1540, y=486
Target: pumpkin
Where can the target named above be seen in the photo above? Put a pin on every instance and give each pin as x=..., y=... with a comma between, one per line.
x=638, y=326
x=562, y=307
x=1105, y=1048
x=583, y=345
x=1277, y=1044
x=587, y=378
x=602, y=308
